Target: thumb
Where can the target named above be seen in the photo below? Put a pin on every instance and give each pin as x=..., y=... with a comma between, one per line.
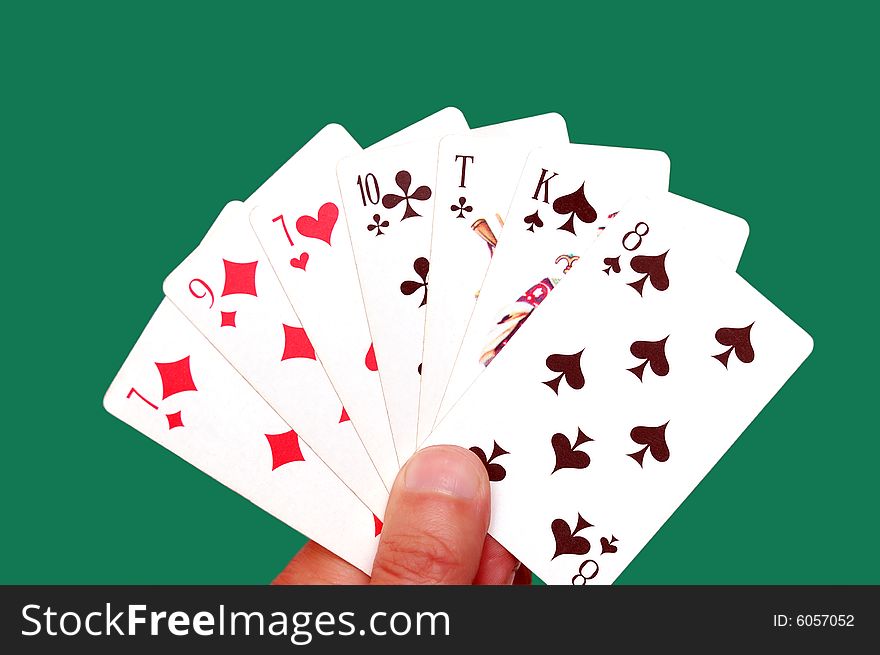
x=436, y=520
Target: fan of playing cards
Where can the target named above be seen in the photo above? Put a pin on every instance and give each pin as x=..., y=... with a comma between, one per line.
x=447, y=286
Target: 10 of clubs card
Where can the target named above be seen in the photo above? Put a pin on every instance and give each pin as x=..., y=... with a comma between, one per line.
x=388, y=195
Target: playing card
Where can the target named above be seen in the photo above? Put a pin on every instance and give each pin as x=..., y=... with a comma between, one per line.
x=228, y=290
x=388, y=199
x=477, y=173
x=565, y=196
x=620, y=394
x=178, y=390
x=297, y=217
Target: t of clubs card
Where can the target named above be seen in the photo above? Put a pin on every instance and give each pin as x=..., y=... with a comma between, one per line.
x=477, y=173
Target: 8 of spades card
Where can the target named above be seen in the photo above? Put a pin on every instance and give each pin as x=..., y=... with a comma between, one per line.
x=620, y=394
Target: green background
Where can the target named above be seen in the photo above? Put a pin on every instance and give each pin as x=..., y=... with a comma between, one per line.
x=125, y=131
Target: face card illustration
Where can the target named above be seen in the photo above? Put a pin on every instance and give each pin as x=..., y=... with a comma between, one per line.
x=228, y=290
x=619, y=396
x=477, y=173
x=175, y=388
x=566, y=195
x=389, y=201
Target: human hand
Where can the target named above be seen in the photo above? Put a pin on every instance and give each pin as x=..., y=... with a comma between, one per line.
x=434, y=531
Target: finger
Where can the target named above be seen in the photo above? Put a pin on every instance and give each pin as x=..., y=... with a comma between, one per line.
x=522, y=577
x=314, y=564
x=436, y=520
x=497, y=565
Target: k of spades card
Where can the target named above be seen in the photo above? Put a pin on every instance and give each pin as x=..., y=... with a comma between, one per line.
x=297, y=216
x=231, y=294
x=477, y=173
x=389, y=200
x=620, y=395
x=175, y=388
x=566, y=194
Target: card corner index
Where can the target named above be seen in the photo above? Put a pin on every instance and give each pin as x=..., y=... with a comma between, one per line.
x=110, y=401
